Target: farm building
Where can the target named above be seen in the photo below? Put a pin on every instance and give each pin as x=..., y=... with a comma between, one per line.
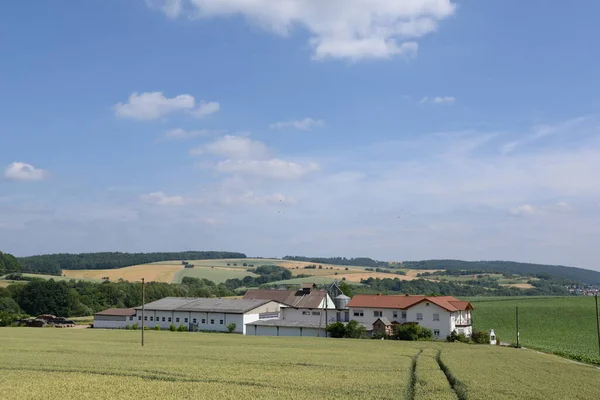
x=441, y=314
x=278, y=327
x=199, y=314
x=114, y=318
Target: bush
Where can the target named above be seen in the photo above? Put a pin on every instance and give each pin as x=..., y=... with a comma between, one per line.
x=411, y=332
x=458, y=337
x=135, y=326
x=182, y=328
x=355, y=330
x=172, y=328
x=231, y=327
x=480, y=337
x=128, y=327
x=336, y=330
x=379, y=336
x=146, y=328
x=157, y=328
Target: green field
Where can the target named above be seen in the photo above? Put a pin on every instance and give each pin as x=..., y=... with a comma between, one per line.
x=212, y=274
x=560, y=325
x=105, y=364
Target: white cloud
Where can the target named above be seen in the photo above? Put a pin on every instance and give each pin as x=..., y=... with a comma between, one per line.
x=349, y=29
x=181, y=134
x=19, y=171
x=171, y=8
x=252, y=198
x=305, y=124
x=153, y=105
x=234, y=147
x=438, y=100
x=525, y=209
x=161, y=199
x=274, y=168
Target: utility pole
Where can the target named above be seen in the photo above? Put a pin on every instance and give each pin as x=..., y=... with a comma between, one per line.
x=517, y=317
x=143, y=316
x=597, y=322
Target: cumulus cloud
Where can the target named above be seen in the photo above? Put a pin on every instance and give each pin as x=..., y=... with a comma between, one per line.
x=525, y=209
x=305, y=124
x=161, y=199
x=154, y=105
x=234, y=147
x=19, y=171
x=347, y=29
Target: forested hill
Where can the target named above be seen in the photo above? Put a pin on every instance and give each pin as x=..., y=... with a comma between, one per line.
x=54, y=263
x=8, y=264
x=571, y=273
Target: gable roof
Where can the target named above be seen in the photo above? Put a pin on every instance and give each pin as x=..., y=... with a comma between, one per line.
x=234, y=306
x=384, y=320
x=292, y=298
x=448, y=303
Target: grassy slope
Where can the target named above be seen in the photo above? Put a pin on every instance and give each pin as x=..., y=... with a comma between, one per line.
x=561, y=325
x=217, y=275
x=176, y=365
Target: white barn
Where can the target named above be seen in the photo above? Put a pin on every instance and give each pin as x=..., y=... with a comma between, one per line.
x=114, y=318
x=278, y=327
x=441, y=314
x=202, y=314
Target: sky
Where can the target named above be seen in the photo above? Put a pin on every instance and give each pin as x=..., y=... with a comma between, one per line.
x=391, y=129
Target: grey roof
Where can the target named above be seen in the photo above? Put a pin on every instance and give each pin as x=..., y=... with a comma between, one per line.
x=288, y=323
x=385, y=321
x=235, y=306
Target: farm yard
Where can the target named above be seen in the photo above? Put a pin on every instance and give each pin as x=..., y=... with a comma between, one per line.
x=110, y=364
x=562, y=325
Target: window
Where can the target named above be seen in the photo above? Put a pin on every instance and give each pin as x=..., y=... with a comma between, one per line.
x=145, y=318
x=395, y=314
x=177, y=319
x=203, y=320
x=419, y=316
x=359, y=313
x=169, y=319
x=185, y=320
x=151, y=318
x=212, y=321
x=163, y=319
x=436, y=332
x=131, y=318
x=221, y=322
x=139, y=318
x=403, y=314
x=316, y=313
x=427, y=304
x=194, y=320
x=305, y=312
x=436, y=317
x=378, y=313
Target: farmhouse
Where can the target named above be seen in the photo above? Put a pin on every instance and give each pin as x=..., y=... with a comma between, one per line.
x=199, y=314
x=441, y=314
x=114, y=318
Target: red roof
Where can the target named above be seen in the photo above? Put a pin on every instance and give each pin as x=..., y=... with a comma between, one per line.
x=448, y=303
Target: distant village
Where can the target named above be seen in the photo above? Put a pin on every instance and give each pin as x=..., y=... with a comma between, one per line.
x=296, y=312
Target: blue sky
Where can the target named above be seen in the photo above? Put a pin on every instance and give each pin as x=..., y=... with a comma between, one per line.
x=397, y=130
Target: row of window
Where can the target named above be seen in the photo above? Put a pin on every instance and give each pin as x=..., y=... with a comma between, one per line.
x=309, y=313
x=360, y=313
x=168, y=319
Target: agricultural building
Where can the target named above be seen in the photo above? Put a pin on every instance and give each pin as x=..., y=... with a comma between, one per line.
x=279, y=327
x=114, y=318
x=441, y=314
x=200, y=314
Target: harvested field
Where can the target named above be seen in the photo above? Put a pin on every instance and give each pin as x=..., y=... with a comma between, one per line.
x=156, y=273
x=366, y=275
x=215, y=274
x=519, y=285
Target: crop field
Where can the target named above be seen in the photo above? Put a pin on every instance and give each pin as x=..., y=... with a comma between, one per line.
x=151, y=272
x=560, y=325
x=105, y=364
x=215, y=274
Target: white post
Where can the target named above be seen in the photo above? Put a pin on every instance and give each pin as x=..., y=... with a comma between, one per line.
x=492, y=337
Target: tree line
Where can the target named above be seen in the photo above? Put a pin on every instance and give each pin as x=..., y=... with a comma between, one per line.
x=53, y=264
x=8, y=264
x=356, y=262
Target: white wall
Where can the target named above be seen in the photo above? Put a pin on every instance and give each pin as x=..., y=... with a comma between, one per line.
x=204, y=321
x=444, y=325
x=111, y=322
x=304, y=314
x=284, y=331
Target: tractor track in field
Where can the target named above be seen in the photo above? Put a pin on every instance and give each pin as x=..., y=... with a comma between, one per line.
x=457, y=386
